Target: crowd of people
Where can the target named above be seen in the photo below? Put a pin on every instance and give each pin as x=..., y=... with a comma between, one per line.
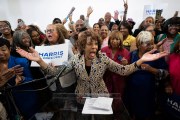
x=108, y=59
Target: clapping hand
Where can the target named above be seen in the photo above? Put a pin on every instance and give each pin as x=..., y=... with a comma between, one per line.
x=10, y=73
x=6, y=75
x=18, y=70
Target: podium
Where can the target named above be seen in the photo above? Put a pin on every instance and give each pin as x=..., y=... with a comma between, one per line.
x=66, y=106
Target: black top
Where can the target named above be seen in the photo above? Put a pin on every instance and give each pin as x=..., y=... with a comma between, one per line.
x=88, y=69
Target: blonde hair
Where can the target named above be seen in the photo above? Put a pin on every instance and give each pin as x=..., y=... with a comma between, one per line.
x=63, y=30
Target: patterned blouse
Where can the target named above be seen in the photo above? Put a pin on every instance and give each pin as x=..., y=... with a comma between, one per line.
x=92, y=85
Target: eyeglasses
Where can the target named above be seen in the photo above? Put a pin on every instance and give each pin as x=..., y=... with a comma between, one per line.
x=174, y=25
x=4, y=27
x=49, y=31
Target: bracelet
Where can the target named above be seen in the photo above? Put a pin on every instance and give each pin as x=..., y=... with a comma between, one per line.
x=135, y=64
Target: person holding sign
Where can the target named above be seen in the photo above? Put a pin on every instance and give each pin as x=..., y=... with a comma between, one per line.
x=54, y=37
x=90, y=65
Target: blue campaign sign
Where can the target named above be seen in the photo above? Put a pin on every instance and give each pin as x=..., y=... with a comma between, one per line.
x=54, y=54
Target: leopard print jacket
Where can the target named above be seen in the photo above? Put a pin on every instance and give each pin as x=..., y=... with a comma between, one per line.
x=92, y=85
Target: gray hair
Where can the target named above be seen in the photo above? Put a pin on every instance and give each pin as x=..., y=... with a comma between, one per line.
x=144, y=36
x=17, y=38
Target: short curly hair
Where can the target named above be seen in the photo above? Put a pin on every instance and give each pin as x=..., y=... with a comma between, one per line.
x=172, y=21
x=144, y=36
x=82, y=40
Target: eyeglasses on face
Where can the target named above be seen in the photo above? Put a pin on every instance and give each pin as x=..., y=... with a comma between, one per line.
x=4, y=27
x=49, y=31
x=174, y=25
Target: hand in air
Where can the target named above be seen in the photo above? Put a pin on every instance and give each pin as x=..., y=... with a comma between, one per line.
x=149, y=56
x=32, y=55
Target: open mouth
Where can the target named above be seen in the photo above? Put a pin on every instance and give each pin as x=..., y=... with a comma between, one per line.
x=93, y=54
x=49, y=37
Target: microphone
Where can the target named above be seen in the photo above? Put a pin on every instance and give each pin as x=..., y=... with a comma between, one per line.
x=70, y=12
x=62, y=68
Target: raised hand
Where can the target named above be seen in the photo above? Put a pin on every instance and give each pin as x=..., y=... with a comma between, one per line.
x=70, y=17
x=89, y=11
x=64, y=21
x=149, y=56
x=116, y=13
x=32, y=55
x=159, y=44
x=125, y=5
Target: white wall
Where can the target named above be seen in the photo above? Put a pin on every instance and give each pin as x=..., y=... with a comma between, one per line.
x=42, y=12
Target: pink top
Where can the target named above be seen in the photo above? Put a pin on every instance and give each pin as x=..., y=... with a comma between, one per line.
x=174, y=71
x=105, y=42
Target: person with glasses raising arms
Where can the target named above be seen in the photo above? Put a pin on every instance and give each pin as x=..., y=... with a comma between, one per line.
x=90, y=65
